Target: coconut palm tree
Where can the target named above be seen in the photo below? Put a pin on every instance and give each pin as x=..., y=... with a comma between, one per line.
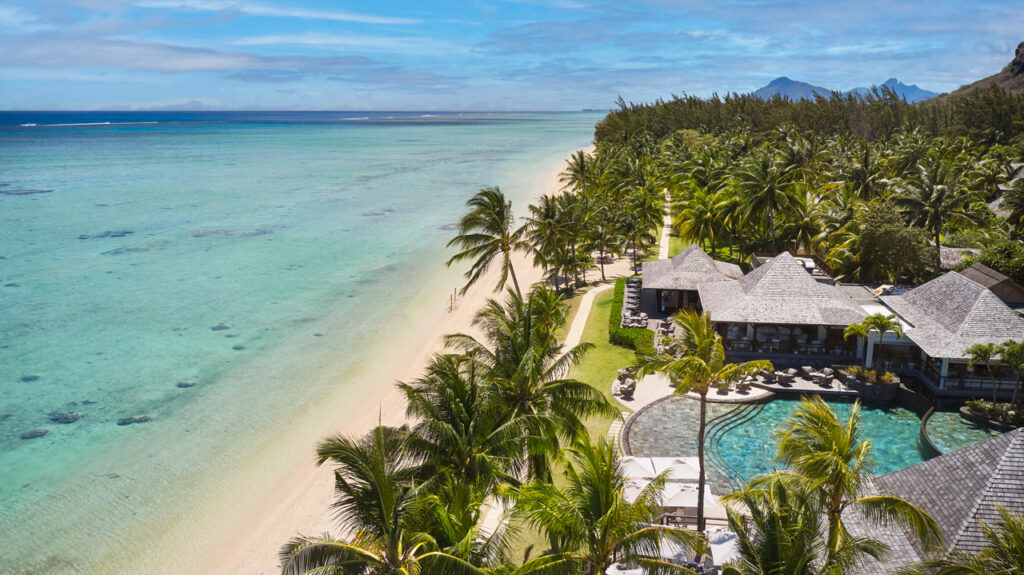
x=829, y=459
x=604, y=234
x=593, y=523
x=934, y=197
x=377, y=502
x=696, y=362
x=487, y=233
x=764, y=183
x=579, y=172
x=983, y=353
x=462, y=433
x=1012, y=355
x=1013, y=201
x=700, y=219
x=780, y=533
x=1004, y=554
x=526, y=366
x=878, y=322
x=803, y=223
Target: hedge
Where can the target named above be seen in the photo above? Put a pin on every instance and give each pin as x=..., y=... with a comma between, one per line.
x=635, y=338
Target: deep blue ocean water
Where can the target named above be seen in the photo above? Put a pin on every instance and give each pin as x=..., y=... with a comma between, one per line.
x=253, y=255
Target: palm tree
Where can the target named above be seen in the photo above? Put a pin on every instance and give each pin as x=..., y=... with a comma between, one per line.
x=604, y=233
x=377, y=502
x=803, y=224
x=983, y=353
x=1011, y=354
x=1004, y=554
x=579, y=171
x=763, y=182
x=487, y=232
x=593, y=523
x=526, y=366
x=829, y=459
x=934, y=197
x=878, y=322
x=780, y=533
x=696, y=362
x=1013, y=201
x=462, y=432
x=699, y=219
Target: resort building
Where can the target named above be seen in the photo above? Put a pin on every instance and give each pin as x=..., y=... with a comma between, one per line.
x=941, y=319
x=962, y=491
x=671, y=285
x=780, y=310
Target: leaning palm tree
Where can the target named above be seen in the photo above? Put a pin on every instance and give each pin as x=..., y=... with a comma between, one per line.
x=780, y=533
x=829, y=459
x=696, y=363
x=487, y=233
x=1012, y=355
x=1004, y=554
x=377, y=502
x=878, y=322
x=594, y=524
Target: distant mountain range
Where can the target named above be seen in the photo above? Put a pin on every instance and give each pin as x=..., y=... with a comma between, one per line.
x=795, y=90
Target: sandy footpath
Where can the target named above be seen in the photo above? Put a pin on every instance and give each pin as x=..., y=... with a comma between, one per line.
x=300, y=501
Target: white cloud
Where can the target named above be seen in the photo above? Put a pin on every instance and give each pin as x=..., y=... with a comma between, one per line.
x=393, y=45
x=267, y=10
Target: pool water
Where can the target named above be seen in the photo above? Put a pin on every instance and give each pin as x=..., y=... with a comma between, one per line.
x=739, y=439
x=949, y=432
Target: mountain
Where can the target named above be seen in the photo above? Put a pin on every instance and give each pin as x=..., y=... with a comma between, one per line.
x=911, y=93
x=791, y=89
x=795, y=90
x=1010, y=78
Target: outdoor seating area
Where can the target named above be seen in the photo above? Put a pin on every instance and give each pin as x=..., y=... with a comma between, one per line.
x=631, y=314
x=625, y=384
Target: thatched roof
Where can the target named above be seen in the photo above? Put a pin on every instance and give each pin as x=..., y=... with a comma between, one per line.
x=951, y=313
x=779, y=292
x=950, y=258
x=960, y=490
x=687, y=270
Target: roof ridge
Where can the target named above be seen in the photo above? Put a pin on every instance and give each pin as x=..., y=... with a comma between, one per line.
x=980, y=500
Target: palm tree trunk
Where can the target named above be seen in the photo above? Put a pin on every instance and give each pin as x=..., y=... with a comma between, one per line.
x=938, y=252
x=512, y=271
x=771, y=228
x=602, y=265
x=700, y=462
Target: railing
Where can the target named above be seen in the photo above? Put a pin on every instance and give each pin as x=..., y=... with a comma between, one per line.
x=987, y=384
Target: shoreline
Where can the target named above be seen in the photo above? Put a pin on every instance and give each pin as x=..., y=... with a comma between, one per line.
x=299, y=500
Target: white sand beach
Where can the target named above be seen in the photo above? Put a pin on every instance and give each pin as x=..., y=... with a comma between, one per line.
x=298, y=500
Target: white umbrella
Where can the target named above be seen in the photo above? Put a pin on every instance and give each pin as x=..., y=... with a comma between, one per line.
x=638, y=467
x=679, y=468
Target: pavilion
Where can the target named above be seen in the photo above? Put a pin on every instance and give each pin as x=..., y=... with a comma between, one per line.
x=779, y=308
x=671, y=285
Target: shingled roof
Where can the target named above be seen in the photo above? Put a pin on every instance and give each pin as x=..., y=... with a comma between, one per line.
x=1005, y=288
x=779, y=292
x=961, y=490
x=687, y=270
x=951, y=313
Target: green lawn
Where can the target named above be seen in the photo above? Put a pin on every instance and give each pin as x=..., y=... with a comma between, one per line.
x=599, y=367
x=676, y=244
x=601, y=364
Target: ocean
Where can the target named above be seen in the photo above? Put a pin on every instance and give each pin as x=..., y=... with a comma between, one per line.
x=211, y=275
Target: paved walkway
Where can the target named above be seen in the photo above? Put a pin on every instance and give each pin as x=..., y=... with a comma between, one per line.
x=666, y=230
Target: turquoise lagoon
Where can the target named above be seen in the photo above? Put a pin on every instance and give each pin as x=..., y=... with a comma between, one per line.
x=305, y=239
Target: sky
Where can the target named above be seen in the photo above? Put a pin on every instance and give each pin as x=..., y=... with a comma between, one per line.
x=478, y=54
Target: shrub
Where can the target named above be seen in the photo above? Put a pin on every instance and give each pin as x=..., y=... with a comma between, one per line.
x=635, y=338
x=1004, y=413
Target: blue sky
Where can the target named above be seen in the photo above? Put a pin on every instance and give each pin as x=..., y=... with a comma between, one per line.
x=478, y=55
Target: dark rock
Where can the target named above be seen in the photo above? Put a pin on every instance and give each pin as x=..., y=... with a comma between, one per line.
x=88, y=402
x=238, y=347
x=1017, y=66
x=220, y=327
x=186, y=384
x=58, y=417
x=231, y=335
x=133, y=419
x=374, y=214
x=24, y=192
x=318, y=335
x=34, y=433
x=12, y=284
x=28, y=378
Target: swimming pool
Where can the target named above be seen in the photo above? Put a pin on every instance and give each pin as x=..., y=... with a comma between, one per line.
x=949, y=432
x=740, y=444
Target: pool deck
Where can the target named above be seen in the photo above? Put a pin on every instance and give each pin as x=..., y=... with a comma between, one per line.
x=801, y=385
